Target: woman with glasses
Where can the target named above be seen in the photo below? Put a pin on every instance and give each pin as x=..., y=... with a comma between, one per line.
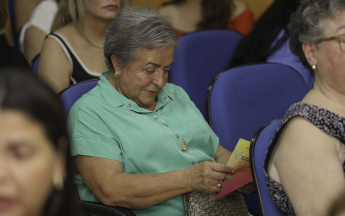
x=304, y=164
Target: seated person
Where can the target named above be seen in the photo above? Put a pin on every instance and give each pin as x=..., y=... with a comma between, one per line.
x=188, y=15
x=304, y=164
x=33, y=32
x=269, y=41
x=9, y=56
x=22, y=12
x=35, y=163
x=74, y=51
x=138, y=141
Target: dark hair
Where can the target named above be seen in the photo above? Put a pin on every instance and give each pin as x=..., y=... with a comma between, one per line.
x=256, y=46
x=308, y=24
x=215, y=13
x=23, y=92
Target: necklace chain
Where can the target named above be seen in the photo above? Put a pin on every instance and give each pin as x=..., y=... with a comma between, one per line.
x=82, y=34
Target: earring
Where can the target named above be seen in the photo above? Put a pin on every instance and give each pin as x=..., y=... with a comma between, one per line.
x=116, y=74
x=313, y=67
x=58, y=181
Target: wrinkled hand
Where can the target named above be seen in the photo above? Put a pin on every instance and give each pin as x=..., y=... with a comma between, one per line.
x=248, y=188
x=205, y=176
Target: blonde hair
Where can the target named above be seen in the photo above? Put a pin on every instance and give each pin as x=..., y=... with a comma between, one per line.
x=3, y=15
x=73, y=11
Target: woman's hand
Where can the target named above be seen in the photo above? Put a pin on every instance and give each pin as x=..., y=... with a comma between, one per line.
x=205, y=176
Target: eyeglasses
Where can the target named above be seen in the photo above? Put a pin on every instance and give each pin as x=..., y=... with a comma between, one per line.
x=341, y=40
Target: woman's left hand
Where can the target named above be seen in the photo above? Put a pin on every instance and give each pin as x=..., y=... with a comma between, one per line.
x=248, y=188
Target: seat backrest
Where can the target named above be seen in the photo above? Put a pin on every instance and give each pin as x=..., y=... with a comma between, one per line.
x=71, y=94
x=34, y=63
x=258, y=149
x=201, y=55
x=243, y=99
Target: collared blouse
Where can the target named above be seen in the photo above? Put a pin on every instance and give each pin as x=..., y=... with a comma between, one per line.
x=104, y=123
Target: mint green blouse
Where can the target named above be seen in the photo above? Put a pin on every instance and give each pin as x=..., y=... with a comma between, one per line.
x=104, y=123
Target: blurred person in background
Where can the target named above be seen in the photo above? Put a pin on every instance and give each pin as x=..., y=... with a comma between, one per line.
x=269, y=41
x=73, y=52
x=34, y=31
x=9, y=56
x=22, y=12
x=190, y=15
x=35, y=165
x=305, y=162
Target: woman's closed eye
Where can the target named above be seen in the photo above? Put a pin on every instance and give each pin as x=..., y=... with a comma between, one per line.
x=21, y=152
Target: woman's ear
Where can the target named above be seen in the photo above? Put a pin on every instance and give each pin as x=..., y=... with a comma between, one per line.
x=309, y=50
x=116, y=64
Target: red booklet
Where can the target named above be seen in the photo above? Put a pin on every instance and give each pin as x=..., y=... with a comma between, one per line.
x=235, y=183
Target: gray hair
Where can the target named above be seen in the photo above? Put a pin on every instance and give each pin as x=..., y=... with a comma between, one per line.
x=308, y=24
x=134, y=29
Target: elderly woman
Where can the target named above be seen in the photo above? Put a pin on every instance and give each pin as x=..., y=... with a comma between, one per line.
x=138, y=141
x=305, y=161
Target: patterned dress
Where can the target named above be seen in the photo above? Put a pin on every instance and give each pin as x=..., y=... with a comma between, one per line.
x=329, y=122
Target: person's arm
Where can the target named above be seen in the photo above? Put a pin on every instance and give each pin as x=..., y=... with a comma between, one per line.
x=9, y=33
x=54, y=67
x=106, y=180
x=23, y=10
x=222, y=155
x=308, y=165
x=33, y=41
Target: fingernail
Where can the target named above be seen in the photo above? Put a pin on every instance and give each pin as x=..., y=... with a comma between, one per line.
x=228, y=177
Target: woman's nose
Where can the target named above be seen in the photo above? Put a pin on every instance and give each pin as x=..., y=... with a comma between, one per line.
x=160, y=79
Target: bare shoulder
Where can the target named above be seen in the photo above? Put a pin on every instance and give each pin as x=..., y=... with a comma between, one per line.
x=301, y=134
x=67, y=30
x=240, y=7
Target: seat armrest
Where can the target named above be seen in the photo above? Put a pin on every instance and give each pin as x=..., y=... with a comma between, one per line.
x=99, y=209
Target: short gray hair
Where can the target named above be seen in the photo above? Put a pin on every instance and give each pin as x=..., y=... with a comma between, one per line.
x=308, y=23
x=136, y=28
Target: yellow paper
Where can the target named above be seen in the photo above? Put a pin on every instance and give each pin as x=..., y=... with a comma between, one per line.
x=239, y=160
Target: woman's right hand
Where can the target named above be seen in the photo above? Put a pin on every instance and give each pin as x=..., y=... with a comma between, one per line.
x=206, y=175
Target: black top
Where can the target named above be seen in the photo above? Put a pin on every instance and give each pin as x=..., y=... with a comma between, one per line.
x=13, y=58
x=327, y=121
x=79, y=73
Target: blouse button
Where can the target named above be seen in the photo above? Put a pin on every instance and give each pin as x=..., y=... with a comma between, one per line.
x=184, y=146
x=155, y=117
x=177, y=136
x=129, y=104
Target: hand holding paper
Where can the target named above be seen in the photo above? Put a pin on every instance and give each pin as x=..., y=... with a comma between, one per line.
x=239, y=161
